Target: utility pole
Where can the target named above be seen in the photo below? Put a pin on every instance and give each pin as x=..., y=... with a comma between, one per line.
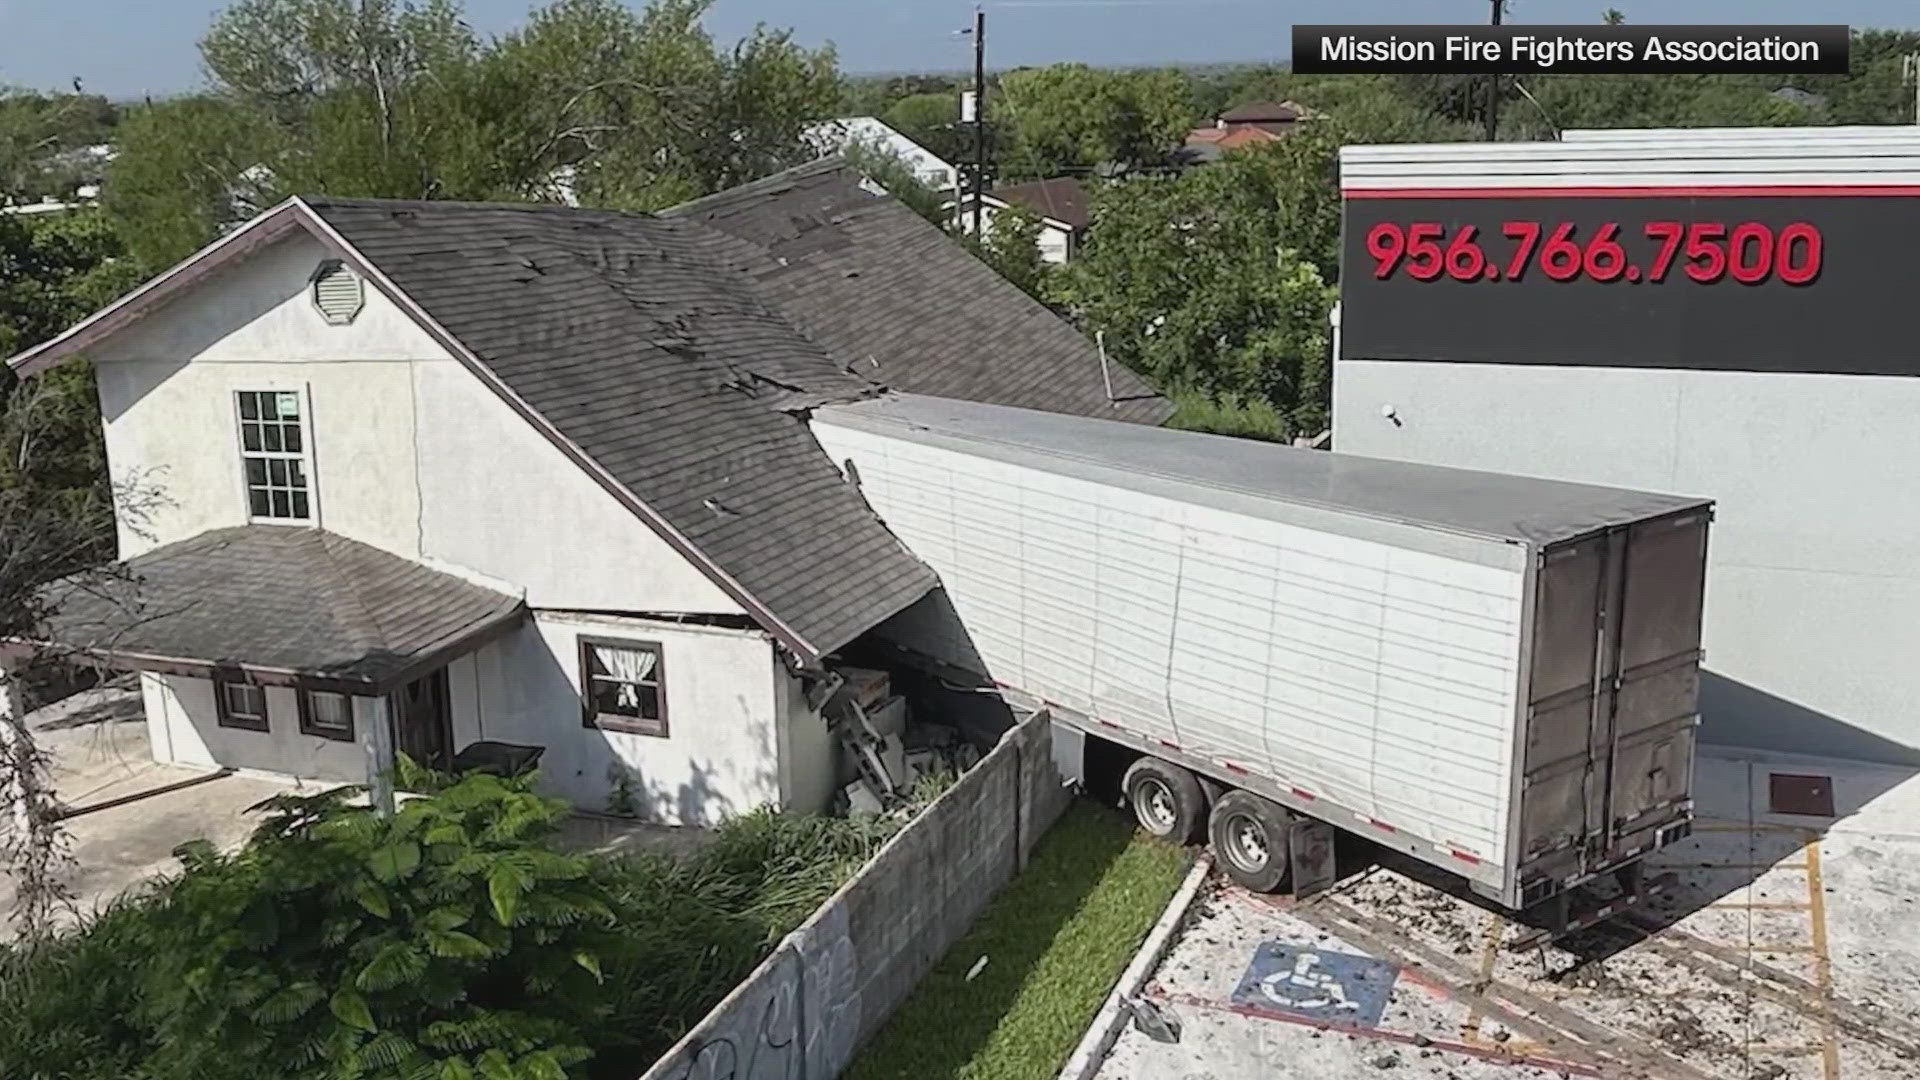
x=979, y=118
x=1493, y=83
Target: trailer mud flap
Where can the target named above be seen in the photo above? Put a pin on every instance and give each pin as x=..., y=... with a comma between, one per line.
x=1311, y=843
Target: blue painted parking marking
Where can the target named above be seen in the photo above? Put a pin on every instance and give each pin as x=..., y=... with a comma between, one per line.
x=1324, y=984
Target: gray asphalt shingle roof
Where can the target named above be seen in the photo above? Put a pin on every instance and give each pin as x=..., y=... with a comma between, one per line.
x=640, y=345
x=885, y=291
x=1061, y=198
x=279, y=598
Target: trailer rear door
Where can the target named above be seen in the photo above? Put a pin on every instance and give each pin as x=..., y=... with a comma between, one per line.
x=1615, y=679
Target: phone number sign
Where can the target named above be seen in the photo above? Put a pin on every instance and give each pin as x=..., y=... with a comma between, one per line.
x=1809, y=283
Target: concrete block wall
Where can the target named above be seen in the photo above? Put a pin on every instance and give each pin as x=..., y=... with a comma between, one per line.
x=831, y=985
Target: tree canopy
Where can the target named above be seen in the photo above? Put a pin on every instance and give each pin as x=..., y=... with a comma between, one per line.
x=588, y=101
x=1218, y=281
x=1071, y=116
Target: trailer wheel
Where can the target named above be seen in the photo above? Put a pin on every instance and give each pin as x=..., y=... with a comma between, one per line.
x=1249, y=836
x=1166, y=799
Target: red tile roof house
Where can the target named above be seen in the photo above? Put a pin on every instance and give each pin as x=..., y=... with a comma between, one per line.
x=1247, y=125
x=441, y=473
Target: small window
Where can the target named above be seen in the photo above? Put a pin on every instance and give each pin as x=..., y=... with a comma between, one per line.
x=622, y=686
x=338, y=292
x=241, y=705
x=273, y=455
x=326, y=714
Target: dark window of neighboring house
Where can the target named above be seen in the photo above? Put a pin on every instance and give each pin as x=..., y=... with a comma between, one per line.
x=241, y=705
x=273, y=454
x=326, y=714
x=622, y=686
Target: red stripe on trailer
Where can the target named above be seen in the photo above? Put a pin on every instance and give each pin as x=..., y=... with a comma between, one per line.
x=1108, y=723
x=1168, y=745
x=1464, y=857
x=1304, y=793
x=1681, y=191
x=1378, y=824
x=1231, y=767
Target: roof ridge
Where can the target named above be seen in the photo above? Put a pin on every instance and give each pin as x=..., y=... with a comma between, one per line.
x=826, y=164
x=506, y=205
x=324, y=540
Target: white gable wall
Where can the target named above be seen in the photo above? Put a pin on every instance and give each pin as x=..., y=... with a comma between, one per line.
x=409, y=451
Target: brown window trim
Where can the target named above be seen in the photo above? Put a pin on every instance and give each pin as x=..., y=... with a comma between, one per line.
x=656, y=728
x=226, y=719
x=308, y=727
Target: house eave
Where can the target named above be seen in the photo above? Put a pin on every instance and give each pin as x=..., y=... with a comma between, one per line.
x=267, y=228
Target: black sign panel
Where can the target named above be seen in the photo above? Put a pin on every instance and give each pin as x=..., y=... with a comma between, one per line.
x=1800, y=282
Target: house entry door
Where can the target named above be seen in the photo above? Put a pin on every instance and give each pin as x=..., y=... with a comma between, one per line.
x=423, y=722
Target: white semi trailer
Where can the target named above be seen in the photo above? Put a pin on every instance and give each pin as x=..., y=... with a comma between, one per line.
x=1494, y=674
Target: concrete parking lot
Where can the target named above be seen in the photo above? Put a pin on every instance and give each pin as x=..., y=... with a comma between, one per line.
x=1789, y=949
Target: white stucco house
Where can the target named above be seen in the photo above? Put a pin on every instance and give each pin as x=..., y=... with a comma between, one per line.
x=435, y=476
x=1061, y=204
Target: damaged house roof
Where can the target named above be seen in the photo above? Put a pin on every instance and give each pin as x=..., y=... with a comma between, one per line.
x=635, y=348
x=626, y=335
x=871, y=280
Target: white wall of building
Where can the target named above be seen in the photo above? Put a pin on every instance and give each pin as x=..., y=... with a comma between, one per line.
x=497, y=497
x=183, y=726
x=1055, y=242
x=728, y=709
x=1814, y=563
x=832, y=136
x=410, y=452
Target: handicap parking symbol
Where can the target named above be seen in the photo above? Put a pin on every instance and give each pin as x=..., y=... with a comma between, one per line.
x=1325, y=984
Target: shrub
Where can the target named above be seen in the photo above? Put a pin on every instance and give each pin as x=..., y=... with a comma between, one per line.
x=437, y=942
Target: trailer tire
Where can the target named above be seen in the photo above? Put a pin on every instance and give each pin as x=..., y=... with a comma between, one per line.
x=1165, y=799
x=1250, y=840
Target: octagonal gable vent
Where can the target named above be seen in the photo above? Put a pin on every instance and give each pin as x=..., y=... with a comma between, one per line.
x=338, y=292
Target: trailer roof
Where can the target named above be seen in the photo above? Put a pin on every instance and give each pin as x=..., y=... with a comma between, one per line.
x=1497, y=505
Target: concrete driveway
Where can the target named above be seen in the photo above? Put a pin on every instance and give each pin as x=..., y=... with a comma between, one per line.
x=1790, y=950
x=126, y=813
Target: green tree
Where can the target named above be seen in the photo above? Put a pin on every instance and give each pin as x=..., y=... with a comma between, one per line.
x=933, y=121
x=1012, y=247
x=54, y=269
x=39, y=136
x=1208, y=282
x=396, y=99
x=1072, y=115
x=885, y=168
x=444, y=942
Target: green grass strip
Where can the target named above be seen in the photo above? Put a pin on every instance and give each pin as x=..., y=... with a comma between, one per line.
x=1055, y=940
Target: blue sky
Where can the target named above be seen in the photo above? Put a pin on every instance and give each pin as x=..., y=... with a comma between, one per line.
x=128, y=47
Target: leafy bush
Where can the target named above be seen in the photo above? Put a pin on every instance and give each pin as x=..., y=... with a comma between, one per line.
x=1255, y=419
x=342, y=943
x=449, y=941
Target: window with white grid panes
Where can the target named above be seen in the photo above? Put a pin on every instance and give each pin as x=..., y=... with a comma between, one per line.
x=273, y=455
